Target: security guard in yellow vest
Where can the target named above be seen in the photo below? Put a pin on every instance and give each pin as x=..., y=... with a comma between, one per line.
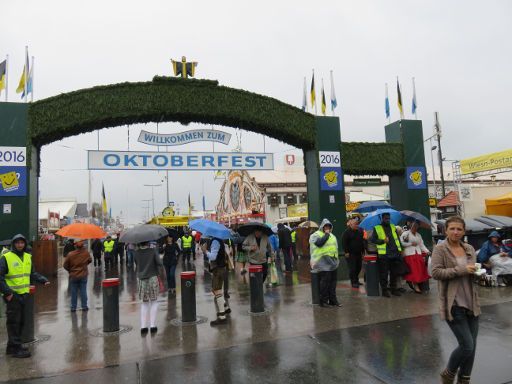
x=325, y=261
x=108, y=251
x=16, y=273
x=187, y=242
x=294, y=243
x=389, y=250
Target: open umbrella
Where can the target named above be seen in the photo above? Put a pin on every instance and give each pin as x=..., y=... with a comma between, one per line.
x=82, y=231
x=411, y=215
x=247, y=229
x=370, y=206
x=308, y=224
x=210, y=228
x=143, y=233
x=375, y=218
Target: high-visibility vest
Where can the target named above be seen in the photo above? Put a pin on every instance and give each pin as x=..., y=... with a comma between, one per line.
x=18, y=274
x=330, y=248
x=381, y=248
x=109, y=245
x=186, y=242
x=294, y=237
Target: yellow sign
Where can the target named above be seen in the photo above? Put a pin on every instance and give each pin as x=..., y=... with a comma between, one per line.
x=488, y=162
x=298, y=210
x=432, y=202
x=9, y=181
x=416, y=178
x=331, y=178
x=349, y=207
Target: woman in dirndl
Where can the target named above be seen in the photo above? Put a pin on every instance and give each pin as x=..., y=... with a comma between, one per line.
x=149, y=268
x=415, y=254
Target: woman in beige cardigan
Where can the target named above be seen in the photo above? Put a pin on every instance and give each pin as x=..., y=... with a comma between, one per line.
x=453, y=265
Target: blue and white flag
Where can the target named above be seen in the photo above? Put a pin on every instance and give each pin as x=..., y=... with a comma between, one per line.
x=304, y=97
x=334, y=102
x=414, y=102
x=386, y=103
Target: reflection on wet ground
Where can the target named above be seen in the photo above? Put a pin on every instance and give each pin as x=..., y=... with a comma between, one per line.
x=368, y=340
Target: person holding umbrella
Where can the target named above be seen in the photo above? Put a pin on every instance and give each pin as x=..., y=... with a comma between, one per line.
x=257, y=245
x=324, y=259
x=389, y=249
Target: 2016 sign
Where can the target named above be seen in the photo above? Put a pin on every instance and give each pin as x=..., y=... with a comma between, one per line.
x=329, y=158
x=13, y=156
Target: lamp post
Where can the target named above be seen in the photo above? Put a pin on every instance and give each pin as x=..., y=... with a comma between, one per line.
x=439, y=151
x=153, y=194
x=432, y=148
x=146, y=208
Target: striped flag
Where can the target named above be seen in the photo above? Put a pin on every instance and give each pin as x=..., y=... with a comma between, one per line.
x=304, y=97
x=399, y=101
x=414, y=102
x=103, y=201
x=386, y=103
x=324, y=105
x=22, y=85
x=3, y=75
x=312, y=92
x=334, y=102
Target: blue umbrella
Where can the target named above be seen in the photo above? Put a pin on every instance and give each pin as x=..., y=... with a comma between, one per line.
x=375, y=218
x=370, y=206
x=210, y=228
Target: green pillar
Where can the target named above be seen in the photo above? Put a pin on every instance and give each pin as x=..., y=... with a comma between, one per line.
x=23, y=209
x=326, y=192
x=410, y=189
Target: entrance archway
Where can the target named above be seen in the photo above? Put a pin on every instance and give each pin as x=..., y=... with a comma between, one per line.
x=205, y=101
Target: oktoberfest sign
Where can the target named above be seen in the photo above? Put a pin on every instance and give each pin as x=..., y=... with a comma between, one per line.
x=179, y=161
x=184, y=137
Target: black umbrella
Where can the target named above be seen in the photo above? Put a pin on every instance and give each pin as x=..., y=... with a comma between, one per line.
x=143, y=233
x=247, y=229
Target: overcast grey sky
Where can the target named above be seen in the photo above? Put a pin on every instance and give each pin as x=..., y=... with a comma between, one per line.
x=457, y=51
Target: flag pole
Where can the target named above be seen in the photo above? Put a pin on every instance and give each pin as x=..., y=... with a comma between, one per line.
x=26, y=71
x=6, y=76
x=31, y=78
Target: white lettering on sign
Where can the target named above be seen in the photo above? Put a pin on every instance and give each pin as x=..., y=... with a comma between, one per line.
x=13, y=156
x=179, y=161
x=329, y=158
x=184, y=137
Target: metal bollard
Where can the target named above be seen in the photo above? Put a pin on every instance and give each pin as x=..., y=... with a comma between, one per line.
x=372, y=275
x=315, y=288
x=27, y=333
x=256, y=284
x=188, y=296
x=110, y=304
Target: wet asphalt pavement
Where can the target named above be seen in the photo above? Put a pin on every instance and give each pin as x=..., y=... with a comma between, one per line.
x=368, y=340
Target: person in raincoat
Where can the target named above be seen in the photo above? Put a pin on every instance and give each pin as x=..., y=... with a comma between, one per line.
x=324, y=259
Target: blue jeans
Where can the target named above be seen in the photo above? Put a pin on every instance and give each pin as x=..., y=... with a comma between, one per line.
x=78, y=285
x=129, y=257
x=465, y=328
x=170, y=271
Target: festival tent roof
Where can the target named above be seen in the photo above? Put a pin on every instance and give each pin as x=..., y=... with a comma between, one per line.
x=450, y=200
x=501, y=205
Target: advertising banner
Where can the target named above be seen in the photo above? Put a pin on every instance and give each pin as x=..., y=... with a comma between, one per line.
x=184, y=137
x=13, y=181
x=331, y=179
x=179, y=161
x=416, y=178
x=488, y=162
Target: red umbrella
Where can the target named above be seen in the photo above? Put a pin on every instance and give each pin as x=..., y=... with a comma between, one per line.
x=82, y=231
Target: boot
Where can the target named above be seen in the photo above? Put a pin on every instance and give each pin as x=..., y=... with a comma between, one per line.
x=385, y=293
x=447, y=377
x=463, y=379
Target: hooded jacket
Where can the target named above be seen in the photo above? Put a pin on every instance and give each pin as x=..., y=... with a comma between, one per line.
x=4, y=270
x=489, y=248
x=318, y=240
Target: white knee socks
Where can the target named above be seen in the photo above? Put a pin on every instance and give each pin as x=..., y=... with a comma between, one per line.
x=152, y=313
x=144, y=309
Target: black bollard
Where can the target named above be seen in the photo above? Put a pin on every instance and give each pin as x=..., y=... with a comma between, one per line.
x=256, y=284
x=372, y=275
x=27, y=333
x=188, y=296
x=110, y=304
x=315, y=288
